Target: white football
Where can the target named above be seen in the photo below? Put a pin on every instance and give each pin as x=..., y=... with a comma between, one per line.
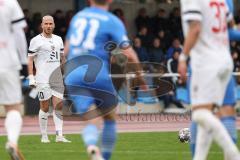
x=184, y=135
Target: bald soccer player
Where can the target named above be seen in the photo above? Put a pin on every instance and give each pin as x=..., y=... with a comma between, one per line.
x=46, y=50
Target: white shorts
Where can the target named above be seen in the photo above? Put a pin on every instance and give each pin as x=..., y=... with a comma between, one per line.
x=208, y=86
x=45, y=92
x=10, y=88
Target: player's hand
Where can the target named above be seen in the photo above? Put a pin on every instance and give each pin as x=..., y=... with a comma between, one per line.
x=182, y=67
x=32, y=81
x=182, y=70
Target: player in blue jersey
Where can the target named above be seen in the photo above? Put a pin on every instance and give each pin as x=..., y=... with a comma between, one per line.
x=90, y=29
x=227, y=112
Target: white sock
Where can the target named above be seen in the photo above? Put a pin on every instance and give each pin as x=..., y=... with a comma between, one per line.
x=43, y=121
x=211, y=123
x=58, y=121
x=203, y=143
x=13, y=125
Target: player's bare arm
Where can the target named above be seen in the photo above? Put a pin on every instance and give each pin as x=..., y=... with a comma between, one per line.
x=32, y=81
x=30, y=65
x=132, y=57
x=66, y=48
x=190, y=41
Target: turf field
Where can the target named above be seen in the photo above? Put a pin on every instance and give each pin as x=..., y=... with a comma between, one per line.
x=130, y=146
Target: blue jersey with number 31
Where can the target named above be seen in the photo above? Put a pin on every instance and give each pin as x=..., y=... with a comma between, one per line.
x=91, y=29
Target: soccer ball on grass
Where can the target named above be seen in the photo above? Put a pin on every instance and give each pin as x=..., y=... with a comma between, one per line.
x=184, y=135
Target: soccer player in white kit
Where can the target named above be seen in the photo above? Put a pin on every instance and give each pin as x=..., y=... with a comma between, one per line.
x=12, y=25
x=206, y=41
x=46, y=51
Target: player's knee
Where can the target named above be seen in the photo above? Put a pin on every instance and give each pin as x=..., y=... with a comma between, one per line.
x=44, y=109
x=44, y=106
x=58, y=106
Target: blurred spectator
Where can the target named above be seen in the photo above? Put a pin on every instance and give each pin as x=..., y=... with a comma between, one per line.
x=175, y=24
x=29, y=25
x=156, y=52
x=170, y=98
x=236, y=64
x=36, y=23
x=176, y=46
x=68, y=17
x=140, y=50
x=172, y=66
x=235, y=46
x=172, y=63
x=119, y=13
x=142, y=20
x=237, y=17
x=165, y=39
x=60, y=24
x=160, y=22
x=144, y=36
x=236, y=61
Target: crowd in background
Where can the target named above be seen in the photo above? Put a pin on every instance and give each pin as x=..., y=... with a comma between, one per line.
x=158, y=38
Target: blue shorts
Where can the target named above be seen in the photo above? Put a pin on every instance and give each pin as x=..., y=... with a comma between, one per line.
x=101, y=92
x=230, y=95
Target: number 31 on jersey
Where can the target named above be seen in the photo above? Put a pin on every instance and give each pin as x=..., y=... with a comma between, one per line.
x=85, y=34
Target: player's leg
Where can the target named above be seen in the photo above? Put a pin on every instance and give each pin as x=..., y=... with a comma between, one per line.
x=43, y=120
x=193, y=125
x=44, y=95
x=90, y=133
x=58, y=119
x=209, y=122
x=13, y=125
x=203, y=92
x=230, y=124
x=203, y=144
x=227, y=113
x=90, y=137
x=193, y=131
x=11, y=98
x=109, y=135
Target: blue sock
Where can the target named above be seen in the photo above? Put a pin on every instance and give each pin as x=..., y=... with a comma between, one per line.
x=90, y=135
x=230, y=124
x=109, y=136
x=193, y=131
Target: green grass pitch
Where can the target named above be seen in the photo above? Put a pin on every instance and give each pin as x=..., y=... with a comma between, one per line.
x=130, y=146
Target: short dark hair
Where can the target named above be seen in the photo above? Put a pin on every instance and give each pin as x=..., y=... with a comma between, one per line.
x=101, y=2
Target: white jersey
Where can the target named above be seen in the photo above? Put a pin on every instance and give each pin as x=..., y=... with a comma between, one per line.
x=47, y=53
x=11, y=16
x=212, y=48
